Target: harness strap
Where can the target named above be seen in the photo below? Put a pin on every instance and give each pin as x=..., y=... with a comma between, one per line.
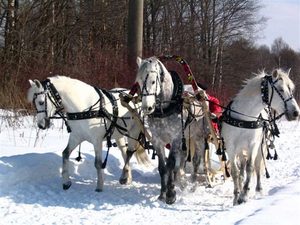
x=242, y=123
x=262, y=150
x=227, y=118
x=176, y=102
x=56, y=101
x=54, y=93
x=114, y=117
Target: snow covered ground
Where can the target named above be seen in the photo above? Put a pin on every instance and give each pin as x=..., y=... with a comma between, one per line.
x=31, y=190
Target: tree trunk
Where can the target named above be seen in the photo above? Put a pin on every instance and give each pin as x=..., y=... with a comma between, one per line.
x=135, y=30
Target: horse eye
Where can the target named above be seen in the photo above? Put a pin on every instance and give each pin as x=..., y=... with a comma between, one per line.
x=41, y=103
x=153, y=82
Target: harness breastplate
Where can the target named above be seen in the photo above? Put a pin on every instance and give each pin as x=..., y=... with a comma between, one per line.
x=227, y=118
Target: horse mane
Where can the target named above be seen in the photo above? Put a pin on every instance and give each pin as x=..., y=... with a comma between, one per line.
x=56, y=80
x=250, y=87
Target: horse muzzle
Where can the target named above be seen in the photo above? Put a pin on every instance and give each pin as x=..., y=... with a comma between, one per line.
x=293, y=115
x=44, y=123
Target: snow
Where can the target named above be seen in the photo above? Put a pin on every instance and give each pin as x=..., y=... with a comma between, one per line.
x=31, y=190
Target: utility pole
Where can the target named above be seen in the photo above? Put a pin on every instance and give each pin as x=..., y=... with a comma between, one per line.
x=135, y=31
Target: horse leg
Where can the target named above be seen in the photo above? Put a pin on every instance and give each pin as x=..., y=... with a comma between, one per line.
x=171, y=193
x=72, y=144
x=243, y=161
x=258, y=163
x=162, y=172
x=126, y=176
x=173, y=164
x=98, y=166
x=179, y=176
x=249, y=170
x=235, y=177
x=198, y=156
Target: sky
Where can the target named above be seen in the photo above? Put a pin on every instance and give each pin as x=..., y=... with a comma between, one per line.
x=283, y=21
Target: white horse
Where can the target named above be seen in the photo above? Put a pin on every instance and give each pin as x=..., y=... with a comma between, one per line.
x=243, y=134
x=162, y=102
x=92, y=115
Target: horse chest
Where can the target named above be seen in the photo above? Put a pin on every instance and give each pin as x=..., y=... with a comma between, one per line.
x=168, y=128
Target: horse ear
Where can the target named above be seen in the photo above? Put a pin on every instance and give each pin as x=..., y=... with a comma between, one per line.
x=275, y=74
x=31, y=83
x=288, y=72
x=139, y=61
x=38, y=83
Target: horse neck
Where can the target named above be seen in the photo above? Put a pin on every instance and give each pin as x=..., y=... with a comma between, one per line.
x=167, y=88
x=248, y=102
x=76, y=96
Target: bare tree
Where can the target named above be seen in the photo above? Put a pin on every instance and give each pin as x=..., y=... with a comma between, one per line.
x=277, y=47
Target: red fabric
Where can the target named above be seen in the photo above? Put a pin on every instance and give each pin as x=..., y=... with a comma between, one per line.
x=134, y=88
x=214, y=105
x=216, y=109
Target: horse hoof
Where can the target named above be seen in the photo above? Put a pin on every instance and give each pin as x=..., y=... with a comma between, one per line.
x=171, y=200
x=162, y=197
x=67, y=185
x=171, y=197
x=124, y=181
x=209, y=186
x=240, y=201
x=98, y=190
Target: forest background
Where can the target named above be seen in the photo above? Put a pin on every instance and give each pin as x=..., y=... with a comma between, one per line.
x=88, y=40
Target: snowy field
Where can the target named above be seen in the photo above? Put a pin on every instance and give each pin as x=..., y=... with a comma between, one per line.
x=31, y=190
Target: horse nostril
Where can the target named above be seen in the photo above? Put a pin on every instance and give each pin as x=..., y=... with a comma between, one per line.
x=149, y=108
x=41, y=127
x=296, y=113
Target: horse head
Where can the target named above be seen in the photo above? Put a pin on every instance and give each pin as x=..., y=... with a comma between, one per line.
x=150, y=76
x=280, y=97
x=39, y=96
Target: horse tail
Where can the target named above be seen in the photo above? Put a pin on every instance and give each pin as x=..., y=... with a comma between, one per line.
x=141, y=155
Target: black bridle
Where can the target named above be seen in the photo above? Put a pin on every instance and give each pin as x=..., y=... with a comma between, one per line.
x=265, y=93
x=175, y=104
x=259, y=122
x=145, y=91
x=159, y=79
x=52, y=94
x=35, y=95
